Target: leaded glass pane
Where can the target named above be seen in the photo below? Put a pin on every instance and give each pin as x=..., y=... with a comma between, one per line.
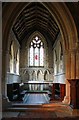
x=36, y=57
x=31, y=56
x=36, y=38
x=41, y=56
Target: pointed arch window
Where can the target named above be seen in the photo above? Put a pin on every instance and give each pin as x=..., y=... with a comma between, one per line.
x=17, y=62
x=61, y=51
x=11, y=58
x=36, y=53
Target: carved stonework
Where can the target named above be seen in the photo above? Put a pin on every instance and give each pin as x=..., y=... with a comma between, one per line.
x=74, y=91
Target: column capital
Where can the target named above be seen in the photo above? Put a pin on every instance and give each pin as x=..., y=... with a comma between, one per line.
x=77, y=45
x=71, y=51
x=73, y=82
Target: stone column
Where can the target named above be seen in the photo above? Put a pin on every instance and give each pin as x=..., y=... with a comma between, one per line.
x=72, y=70
x=30, y=75
x=4, y=76
x=77, y=64
x=14, y=65
x=74, y=93
x=5, y=101
x=7, y=62
x=73, y=64
x=68, y=75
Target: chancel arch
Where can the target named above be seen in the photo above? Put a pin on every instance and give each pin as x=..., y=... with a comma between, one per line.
x=69, y=34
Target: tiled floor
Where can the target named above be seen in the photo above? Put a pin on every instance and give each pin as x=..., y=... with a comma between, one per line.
x=53, y=109
x=58, y=108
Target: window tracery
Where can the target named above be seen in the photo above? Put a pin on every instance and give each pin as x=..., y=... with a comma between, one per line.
x=36, y=53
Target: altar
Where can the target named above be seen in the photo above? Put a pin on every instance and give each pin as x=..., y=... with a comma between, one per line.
x=38, y=85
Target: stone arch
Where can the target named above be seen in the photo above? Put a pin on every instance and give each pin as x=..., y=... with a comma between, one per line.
x=55, y=61
x=39, y=75
x=55, y=55
x=67, y=28
x=27, y=76
x=34, y=74
x=60, y=51
x=11, y=52
x=24, y=75
x=46, y=75
x=17, y=61
x=61, y=59
x=66, y=24
x=37, y=33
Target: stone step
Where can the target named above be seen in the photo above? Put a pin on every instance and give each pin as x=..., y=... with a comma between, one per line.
x=48, y=118
x=22, y=109
x=26, y=106
x=31, y=105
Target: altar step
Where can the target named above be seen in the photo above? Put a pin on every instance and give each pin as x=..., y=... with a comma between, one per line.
x=21, y=107
x=29, y=108
x=25, y=105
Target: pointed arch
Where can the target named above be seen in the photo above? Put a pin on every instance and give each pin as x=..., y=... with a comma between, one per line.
x=39, y=75
x=55, y=55
x=17, y=62
x=37, y=49
x=36, y=33
x=11, y=57
x=34, y=75
x=65, y=22
x=55, y=61
x=60, y=51
x=27, y=75
x=46, y=75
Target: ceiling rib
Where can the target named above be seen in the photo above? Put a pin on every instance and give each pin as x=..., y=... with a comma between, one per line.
x=35, y=17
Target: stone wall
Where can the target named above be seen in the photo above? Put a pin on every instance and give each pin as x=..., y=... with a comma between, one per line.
x=12, y=75
x=12, y=78
x=59, y=61
x=53, y=69
x=36, y=74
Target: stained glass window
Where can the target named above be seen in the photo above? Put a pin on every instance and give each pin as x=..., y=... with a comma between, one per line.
x=36, y=53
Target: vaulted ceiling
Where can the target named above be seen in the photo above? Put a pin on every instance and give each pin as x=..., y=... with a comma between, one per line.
x=35, y=17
